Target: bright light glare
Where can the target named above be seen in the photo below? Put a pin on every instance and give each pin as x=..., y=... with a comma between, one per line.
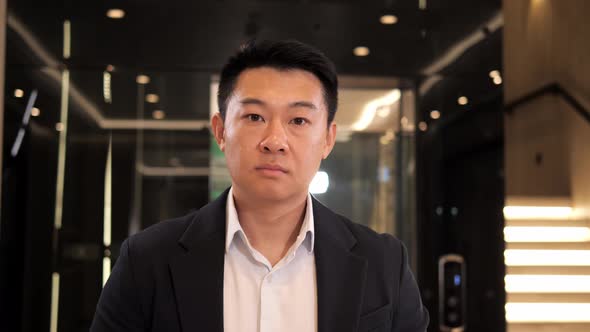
x=494, y=73
x=106, y=87
x=320, y=183
x=18, y=93
x=526, y=257
x=361, y=51
x=546, y=234
x=537, y=212
x=106, y=269
x=462, y=100
x=35, y=111
x=116, y=13
x=435, y=114
x=142, y=79
x=521, y=283
x=371, y=108
x=423, y=126
x=547, y=312
x=152, y=98
x=388, y=19
x=158, y=114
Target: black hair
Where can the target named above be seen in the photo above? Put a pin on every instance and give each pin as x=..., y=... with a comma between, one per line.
x=282, y=55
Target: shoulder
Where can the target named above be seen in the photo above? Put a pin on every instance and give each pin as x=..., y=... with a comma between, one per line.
x=160, y=237
x=371, y=242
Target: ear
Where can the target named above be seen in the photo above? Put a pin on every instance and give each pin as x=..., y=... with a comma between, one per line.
x=330, y=140
x=218, y=130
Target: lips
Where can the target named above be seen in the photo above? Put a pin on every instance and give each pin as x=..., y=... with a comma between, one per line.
x=271, y=167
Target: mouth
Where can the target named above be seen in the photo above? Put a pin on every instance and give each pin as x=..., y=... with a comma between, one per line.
x=271, y=169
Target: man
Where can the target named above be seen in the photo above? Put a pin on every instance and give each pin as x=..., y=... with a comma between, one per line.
x=265, y=256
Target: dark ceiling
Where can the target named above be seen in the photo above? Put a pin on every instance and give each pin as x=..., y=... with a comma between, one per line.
x=180, y=44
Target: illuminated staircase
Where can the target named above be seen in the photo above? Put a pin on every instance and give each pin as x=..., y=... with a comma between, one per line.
x=547, y=266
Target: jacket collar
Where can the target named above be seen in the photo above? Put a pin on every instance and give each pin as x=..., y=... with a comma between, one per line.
x=197, y=273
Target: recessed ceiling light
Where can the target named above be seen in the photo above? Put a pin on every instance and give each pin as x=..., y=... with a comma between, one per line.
x=116, y=13
x=110, y=68
x=404, y=121
x=462, y=100
x=158, y=114
x=152, y=98
x=423, y=126
x=18, y=93
x=435, y=114
x=388, y=19
x=142, y=79
x=494, y=73
x=497, y=80
x=59, y=126
x=35, y=111
x=361, y=51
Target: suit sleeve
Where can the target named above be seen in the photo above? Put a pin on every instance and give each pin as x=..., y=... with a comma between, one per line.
x=411, y=315
x=119, y=307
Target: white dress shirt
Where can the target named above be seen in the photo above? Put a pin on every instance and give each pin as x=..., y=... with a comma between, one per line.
x=258, y=297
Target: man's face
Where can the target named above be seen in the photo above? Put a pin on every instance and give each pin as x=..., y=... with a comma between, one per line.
x=275, y=132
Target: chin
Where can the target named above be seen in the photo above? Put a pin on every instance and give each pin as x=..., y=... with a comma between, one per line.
x=272, y=191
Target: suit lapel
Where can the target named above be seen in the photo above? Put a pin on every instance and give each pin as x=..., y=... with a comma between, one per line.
x=341, y=275
x=197, y=273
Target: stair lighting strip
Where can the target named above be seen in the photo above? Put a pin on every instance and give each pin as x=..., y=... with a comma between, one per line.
x=526, y=257
x=547, y=312
x=538, y=212
x=524, y=283
x=546, y=234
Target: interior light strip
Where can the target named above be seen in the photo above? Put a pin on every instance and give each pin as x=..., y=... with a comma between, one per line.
x=547, y=312
x=522, y=283
x=546, y=234
x=61, y=154
x=67, y=39
x=54, y=302
x=106, y=269
x=107, y=210
x=526, y=257
x=538, y=212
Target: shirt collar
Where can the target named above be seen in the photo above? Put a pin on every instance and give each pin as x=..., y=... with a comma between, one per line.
x=306, y=234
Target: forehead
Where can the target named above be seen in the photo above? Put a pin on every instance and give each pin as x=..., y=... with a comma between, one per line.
x=285, y=84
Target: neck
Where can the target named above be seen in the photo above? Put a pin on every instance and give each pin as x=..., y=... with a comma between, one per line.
x=271, y=228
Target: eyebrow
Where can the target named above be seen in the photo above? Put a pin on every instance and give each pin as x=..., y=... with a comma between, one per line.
x=301, y=103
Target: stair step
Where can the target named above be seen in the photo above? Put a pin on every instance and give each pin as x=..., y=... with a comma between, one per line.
x=537, y=201
x=548, y=222
x=549, y=245
x=548, y=297
x=549, y=270
x=548, y=327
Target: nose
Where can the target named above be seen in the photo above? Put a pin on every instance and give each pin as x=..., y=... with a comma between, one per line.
x=275, y=139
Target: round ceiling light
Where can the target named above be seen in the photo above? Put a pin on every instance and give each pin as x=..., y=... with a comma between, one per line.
x=388, y=19
x=158, y=114
x=116, y=13
x=142, y=79
x=361, y=51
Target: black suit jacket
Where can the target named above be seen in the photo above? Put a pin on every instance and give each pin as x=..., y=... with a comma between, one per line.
x=169, y=277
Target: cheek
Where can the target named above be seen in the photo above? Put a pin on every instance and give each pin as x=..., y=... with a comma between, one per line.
x=238, y=149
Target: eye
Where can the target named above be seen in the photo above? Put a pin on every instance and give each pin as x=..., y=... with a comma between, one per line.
x=254, y=117
x=299, y=121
